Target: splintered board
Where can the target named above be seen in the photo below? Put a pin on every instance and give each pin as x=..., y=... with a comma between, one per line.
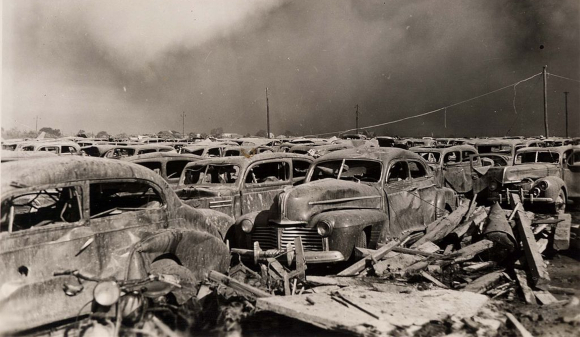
x=395, y=310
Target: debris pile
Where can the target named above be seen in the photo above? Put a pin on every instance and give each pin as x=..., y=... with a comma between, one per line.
x=459, y=272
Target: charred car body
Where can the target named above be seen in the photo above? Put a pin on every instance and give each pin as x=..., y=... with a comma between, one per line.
x=548, y=176
x=452, y=166
x=240, y=185
x=168, y=165
x=109, y=219
x=352, y=198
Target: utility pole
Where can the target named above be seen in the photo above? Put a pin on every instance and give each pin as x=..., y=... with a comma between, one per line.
x=36, y=124
x=183, y=124
x=357, y=119
x=545, y=102
x=267, y=114
x=566, y=107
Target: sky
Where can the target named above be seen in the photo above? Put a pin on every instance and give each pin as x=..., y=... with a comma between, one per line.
x=135, y=66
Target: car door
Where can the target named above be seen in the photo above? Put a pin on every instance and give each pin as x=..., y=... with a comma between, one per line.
x=263, y=181
x=402, y=202
x=425, y=190
x=44, y=230
x=122, y=212
x=571, y=173
x=456, y=172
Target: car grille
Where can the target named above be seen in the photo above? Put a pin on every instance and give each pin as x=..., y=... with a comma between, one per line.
x=267, y=236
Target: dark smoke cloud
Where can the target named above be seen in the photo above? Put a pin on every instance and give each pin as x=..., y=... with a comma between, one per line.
x=134, y=66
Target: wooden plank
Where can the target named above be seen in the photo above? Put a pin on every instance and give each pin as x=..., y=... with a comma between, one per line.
x=521, y=330
x=526, y=290
x=562, y=232
x=479, y=266
x=433, y=279
x=360, y=265
x=443, y=226
x=484, y=283
x=478, y=216
x=538, y=271
x=545, y=297
x=411, y=251
x=469, y=252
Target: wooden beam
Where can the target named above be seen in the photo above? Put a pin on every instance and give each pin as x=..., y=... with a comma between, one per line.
x=433, y=279
x=439, y=229
x=521, y=329
x=526, y=290
x=469, y=252
x=538, y=271
x=377, y=255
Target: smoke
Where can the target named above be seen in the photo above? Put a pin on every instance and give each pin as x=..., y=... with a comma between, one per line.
x=135, y=66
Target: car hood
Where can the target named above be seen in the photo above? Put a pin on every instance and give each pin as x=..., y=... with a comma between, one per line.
x=516, y=173
x=298, y=204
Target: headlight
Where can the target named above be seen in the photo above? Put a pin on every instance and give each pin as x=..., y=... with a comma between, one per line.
x=535, y=192
x=324, y=228
x=247, y=225
x=493, y=186
x=543, y=185
x=107, y=293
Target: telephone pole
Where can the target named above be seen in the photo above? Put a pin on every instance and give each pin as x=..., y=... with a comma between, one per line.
x=36, y=124
x=183, y=124
x=566, y=109
x=357, y=119
x=267, y=114
x=545, y=102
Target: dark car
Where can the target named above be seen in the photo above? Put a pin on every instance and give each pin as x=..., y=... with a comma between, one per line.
x=359, y=197
x=105, y=218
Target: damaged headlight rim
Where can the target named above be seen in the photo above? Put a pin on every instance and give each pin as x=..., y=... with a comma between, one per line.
x=324, y=228
x=247, y=225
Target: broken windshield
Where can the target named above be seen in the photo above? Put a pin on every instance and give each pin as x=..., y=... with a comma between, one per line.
x=211, y=174
x=430, y=157
x=354, y=170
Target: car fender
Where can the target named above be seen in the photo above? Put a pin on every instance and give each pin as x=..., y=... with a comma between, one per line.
x=347, y=225
x=447, y=197
x=555, y=184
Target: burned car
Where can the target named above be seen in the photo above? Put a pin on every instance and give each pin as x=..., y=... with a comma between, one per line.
x=452, y=166
x=240, y=185
x=168, y=165
x=105, y=218
x=544, y=176
x=359, y=197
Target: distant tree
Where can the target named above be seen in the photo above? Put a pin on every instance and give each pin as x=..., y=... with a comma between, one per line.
x=50, y=132
x=82, y=133
x=204, y=135
x=102, y=134
x=122, y=135
x=248, y=135
x=289, y=133
x=262, y=133
x=15, y=133
x=217, y=132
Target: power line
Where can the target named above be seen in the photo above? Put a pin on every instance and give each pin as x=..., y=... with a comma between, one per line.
x=436, y=110
x=566, y=78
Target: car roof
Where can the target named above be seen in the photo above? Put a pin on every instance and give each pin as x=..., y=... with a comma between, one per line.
x=43, y=171
x=243, y=160
x=162, y=155
x=385, y=154
x=558, y=149
x=445, y=149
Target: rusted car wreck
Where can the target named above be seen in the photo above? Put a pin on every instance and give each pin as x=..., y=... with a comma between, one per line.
x=540, y=175
x=351, y=198
x=107, y=218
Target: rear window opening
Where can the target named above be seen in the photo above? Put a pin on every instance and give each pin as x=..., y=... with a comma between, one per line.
x=211, y=174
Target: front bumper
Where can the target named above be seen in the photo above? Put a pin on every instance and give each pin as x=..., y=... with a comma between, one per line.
x=503, y=197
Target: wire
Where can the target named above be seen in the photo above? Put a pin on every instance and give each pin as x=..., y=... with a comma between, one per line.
x=436, y=110
x=566, y=78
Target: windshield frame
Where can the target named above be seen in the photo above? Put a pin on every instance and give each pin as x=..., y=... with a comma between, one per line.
x=189, y=167
x=343, y=161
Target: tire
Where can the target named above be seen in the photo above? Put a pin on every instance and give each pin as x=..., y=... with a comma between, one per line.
x=361, y=242
x=559, y=206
